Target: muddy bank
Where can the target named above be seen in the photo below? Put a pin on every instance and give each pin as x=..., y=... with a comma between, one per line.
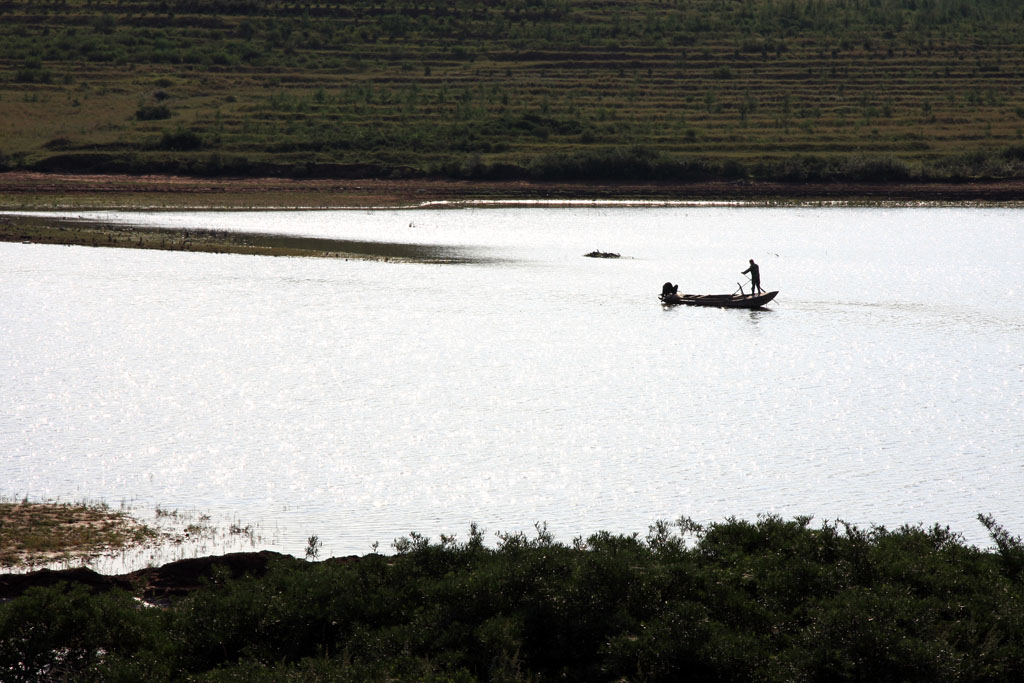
x=26, y=190
x=156, y=585
x=80, y=232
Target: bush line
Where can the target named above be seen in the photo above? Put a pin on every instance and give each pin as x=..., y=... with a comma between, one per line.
x=769, y=600
x=607, y=165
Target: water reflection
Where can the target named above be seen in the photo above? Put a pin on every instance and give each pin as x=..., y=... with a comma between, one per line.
x=757, y=314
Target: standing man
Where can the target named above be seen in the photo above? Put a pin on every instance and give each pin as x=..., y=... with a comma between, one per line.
x=755, y=277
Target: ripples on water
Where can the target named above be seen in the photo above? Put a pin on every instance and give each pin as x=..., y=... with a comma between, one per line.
x=360, y=400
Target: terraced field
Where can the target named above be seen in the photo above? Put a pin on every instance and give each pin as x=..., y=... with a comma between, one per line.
x=673, y=89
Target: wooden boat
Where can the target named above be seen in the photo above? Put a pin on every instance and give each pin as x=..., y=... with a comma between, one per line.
x=719, y=300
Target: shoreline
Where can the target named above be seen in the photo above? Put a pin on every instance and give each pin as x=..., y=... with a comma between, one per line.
x=153, y=584
x=22, y=194
x=32, y=191
x=30, y=229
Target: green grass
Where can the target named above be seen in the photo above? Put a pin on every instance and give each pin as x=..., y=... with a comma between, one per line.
x=50, y=533
x=534, y=88
x=770, y=600
x=40, y=532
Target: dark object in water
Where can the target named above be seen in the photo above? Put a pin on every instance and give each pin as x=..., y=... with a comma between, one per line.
x=718, y=300
x=601, y=254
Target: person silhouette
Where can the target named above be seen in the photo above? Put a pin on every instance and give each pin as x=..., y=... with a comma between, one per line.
x=755, y=278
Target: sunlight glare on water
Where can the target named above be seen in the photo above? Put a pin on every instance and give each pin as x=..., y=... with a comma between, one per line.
x=360, y=401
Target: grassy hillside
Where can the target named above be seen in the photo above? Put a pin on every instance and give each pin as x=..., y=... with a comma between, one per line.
x=673, y=89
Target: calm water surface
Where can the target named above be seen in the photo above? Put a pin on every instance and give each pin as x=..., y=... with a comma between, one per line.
x=360, y=401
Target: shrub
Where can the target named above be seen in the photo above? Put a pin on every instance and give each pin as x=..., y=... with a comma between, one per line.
x=181, y=140
x=1011, y=548
x=152, y=112
x=65, y=633
x=32, y=71
x=874, y=170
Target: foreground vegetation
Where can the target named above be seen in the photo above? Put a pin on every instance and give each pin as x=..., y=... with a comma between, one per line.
x=678, y=90
x=770, y=600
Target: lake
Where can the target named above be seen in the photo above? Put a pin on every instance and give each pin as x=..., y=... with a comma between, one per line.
x=524, y=383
